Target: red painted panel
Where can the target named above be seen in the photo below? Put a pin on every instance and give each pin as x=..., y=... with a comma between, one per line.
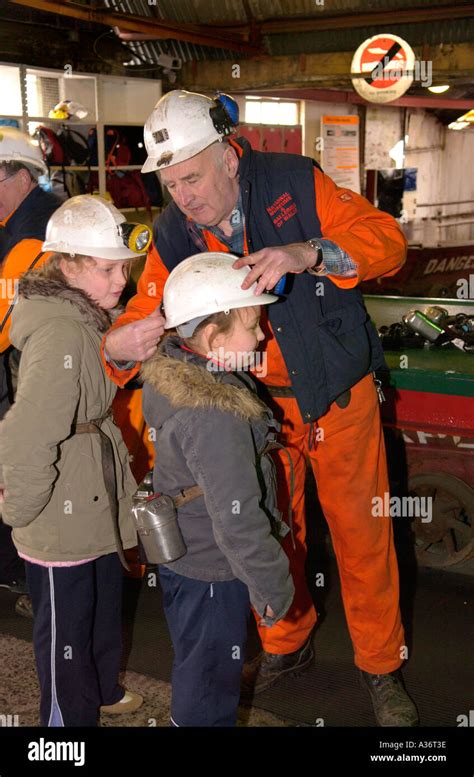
x=252, y=133
x=292, y=140
x=430, y=272
x=434, y=412
x=272, y=139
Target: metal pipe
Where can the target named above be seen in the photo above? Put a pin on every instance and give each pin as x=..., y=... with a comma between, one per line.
x=338, y=96
x=436, y=204
x=451, y=216
x=456, y=224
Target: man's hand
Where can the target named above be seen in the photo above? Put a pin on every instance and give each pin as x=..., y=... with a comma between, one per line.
x=137, y=341
x=268, y=613
x=271, y=264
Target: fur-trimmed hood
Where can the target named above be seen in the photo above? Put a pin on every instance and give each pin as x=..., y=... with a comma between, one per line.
x=42, y=299
x=212, y=431
x=182, y=379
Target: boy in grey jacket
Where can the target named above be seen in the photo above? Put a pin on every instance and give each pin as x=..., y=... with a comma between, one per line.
x=211, y=430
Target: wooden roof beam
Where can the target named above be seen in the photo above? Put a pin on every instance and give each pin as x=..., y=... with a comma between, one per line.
x=344, y=21
x=157, y=30
x=318, y=70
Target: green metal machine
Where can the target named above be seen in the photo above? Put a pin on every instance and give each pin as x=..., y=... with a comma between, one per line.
x=429, y=411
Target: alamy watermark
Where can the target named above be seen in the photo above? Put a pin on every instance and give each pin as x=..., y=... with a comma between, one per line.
x=466, y=720
x=422, y=71
x=465, y=288
x=387, y=506
x=238, y=361
x=44, y=750
x=9, y=290
x=9, y=721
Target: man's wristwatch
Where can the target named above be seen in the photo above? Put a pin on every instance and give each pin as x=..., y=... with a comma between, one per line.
x=318, y=267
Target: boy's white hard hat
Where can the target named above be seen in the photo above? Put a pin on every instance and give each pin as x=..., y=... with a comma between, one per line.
x=180, y=126
x=205, y=284
x=92, y=226
x=17, y=146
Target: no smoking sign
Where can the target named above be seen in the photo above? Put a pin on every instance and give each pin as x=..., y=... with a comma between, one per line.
x=383, y=66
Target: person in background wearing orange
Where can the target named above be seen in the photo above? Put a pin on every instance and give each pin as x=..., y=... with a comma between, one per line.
x=286, y=218
x=24, y=212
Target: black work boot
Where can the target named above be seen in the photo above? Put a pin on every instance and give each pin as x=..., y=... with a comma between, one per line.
x=24, y=606
x=267, y=668
x=16, y=586
x=392, y=705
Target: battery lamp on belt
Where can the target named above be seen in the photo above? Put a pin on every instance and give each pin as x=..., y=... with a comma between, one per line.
x=434, y=331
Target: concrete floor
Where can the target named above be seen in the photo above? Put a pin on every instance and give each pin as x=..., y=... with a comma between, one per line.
x=438, y=612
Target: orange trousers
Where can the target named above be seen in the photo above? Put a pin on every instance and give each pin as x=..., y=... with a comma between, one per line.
x=349, y=465
x=128, y=416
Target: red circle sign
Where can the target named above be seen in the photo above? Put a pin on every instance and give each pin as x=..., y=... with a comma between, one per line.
x=384, y=65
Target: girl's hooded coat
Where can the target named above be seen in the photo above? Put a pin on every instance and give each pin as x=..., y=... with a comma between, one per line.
x=56, y=499
x=210, y=429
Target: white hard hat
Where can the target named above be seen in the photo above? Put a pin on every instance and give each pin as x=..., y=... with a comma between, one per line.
x=180, y=126
x=92, y=226
x=205, y=284
x=17, y=146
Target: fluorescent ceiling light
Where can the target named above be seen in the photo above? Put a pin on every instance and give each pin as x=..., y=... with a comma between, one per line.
x=469, y=117
x=439, y=89
x=458, y=125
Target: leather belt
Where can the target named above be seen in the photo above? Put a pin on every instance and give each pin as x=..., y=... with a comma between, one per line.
x=273, y=445
x=108, y=471
x=279, y=391
x=187, y=495
x=341, y=401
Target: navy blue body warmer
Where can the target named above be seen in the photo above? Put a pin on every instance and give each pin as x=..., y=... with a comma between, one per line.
x=28, y=221
x=326, y=337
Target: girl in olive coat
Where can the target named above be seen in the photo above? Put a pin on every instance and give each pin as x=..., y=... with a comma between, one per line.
x=64, y=469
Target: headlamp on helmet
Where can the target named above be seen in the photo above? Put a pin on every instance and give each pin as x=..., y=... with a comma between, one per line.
x=136, y=237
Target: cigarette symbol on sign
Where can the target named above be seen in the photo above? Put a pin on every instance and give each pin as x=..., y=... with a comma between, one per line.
x=391, y=53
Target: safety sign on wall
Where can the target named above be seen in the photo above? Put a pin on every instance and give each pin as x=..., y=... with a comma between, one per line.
x=383, y=67
x=340, y=150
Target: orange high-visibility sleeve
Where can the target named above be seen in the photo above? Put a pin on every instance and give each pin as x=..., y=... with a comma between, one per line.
x=128, y=415
x=16, y=263
x=372, y=238
x=148, y=297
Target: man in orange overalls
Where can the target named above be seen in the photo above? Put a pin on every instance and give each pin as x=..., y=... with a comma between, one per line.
x=287, y=218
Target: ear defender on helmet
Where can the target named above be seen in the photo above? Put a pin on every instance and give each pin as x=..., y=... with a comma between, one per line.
x=136, y=237
x=221, y=119
x=231, y=106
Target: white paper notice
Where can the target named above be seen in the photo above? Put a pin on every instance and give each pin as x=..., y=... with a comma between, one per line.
x=340, y=150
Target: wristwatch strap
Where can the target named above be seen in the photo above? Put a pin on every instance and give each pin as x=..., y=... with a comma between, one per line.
x=318, y=267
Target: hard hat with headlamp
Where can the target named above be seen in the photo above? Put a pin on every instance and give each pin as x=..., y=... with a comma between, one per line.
x=204, y=284
x=181, y=125
x=92, y=226
x=17, y=146
x=66, y=109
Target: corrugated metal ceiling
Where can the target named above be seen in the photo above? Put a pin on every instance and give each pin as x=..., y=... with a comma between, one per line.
x=267, y=9
x=432, y=33
x=148, y=51
x=233, y=12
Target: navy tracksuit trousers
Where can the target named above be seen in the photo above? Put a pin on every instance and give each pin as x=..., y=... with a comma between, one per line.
x=12, y=567
x=77, y=638
x=208, y=627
